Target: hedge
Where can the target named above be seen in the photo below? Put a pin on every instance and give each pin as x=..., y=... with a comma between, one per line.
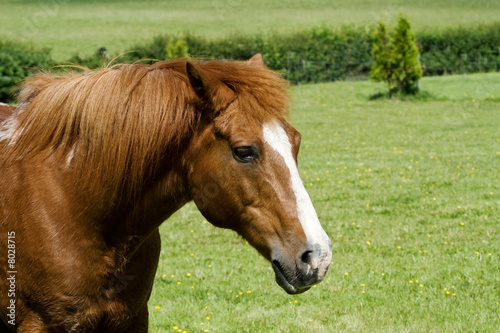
x=315, y=55
x=17, y=61
x=323, y=54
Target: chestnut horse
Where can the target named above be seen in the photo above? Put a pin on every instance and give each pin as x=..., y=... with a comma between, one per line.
x=92, y=163
x=5, y=111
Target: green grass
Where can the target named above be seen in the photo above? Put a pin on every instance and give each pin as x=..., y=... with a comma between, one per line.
x=409, y=193
x=75, y=26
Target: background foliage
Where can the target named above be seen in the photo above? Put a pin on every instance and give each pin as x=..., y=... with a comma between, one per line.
x=17, y=61
x=312, y=55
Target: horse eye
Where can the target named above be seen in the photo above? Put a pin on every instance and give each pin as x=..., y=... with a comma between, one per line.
x=245, y=154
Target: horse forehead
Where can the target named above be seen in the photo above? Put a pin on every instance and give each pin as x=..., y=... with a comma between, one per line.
x=239, y=126
x=280, y=136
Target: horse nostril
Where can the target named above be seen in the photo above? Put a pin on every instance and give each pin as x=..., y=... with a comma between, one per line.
x=306, y=257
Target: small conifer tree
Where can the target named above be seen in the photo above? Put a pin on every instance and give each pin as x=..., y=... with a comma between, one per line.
x=395, y=58
x=381, y=53
x=406, y=70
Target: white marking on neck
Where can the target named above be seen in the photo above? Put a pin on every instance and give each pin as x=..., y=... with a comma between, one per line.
x=70, y=156
x=276, y=137
x=8, y=131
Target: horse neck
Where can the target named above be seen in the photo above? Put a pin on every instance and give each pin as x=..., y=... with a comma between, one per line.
x=120, y=219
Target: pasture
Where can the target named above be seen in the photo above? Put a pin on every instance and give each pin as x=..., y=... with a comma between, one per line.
x=409, y=193
x=118, y=25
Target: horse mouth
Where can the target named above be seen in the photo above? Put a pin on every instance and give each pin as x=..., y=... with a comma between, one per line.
x=284, y=281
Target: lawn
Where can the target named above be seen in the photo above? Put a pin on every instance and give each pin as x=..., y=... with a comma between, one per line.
x=75, y=26
x=408, y=191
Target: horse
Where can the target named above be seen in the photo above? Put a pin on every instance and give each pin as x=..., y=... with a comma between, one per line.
x=93, y=162
x=5, y=111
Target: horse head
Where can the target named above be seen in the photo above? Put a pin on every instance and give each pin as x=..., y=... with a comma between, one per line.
x=242, y=172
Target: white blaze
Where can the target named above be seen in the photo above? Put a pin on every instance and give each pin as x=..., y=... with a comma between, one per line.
x=276, y=137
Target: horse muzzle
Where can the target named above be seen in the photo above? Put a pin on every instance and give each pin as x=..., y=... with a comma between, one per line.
x=309, y=268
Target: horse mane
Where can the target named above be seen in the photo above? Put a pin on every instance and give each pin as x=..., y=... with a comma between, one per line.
x=114, y=125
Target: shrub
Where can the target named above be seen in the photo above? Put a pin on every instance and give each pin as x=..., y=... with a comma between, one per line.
x=97, y=60
x=18, y=61
x=403, y=61
x=381, y=54
x=395, y=58
x=176, y=48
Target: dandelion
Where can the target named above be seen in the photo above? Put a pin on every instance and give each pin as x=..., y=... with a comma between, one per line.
x=411, y=281
x=188, y=274
x=164, y=275
x=178, y=282
x=346, y=273
x=157, y=307
x=368, y=243
x=249, y=292
x=362, y=285
x=208, y=318
x=191, y=254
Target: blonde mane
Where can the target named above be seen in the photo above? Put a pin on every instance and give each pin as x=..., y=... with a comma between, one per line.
x=117, y=124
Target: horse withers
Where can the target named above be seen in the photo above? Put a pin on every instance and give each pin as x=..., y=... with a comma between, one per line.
x=92, y=163
x=5, y=111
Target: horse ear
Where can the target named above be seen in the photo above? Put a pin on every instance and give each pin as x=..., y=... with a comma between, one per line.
x=195, y=80
x=214, y=91
x=257, y=60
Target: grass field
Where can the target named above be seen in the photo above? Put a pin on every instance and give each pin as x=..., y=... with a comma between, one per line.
x=75, y=26
x=408, y=191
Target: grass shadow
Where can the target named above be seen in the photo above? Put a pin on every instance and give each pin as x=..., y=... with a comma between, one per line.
x=422, y=95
